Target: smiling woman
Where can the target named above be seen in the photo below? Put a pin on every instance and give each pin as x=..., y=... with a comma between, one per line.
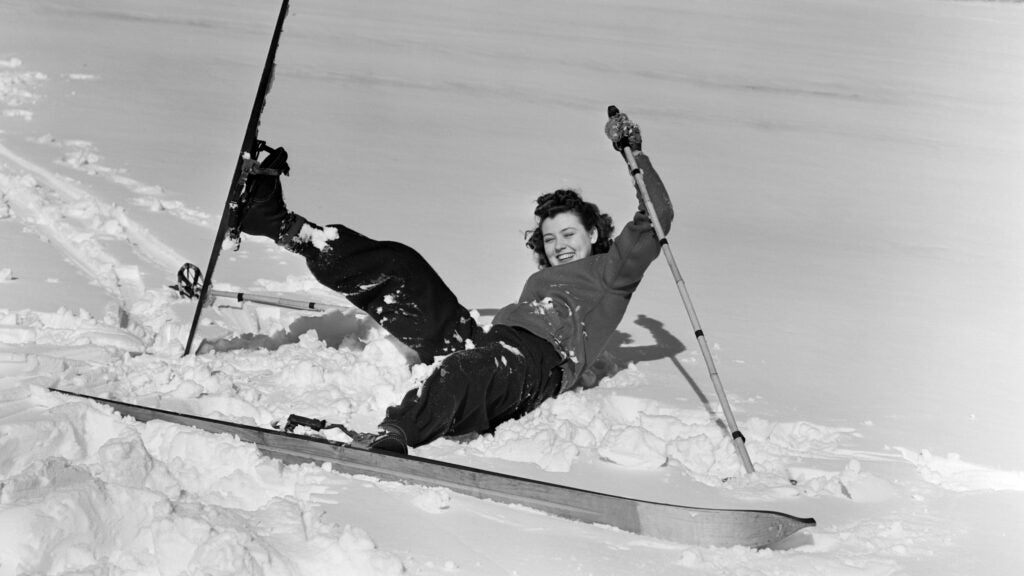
x=568, y=226
x=566, y=239
x=536, y=348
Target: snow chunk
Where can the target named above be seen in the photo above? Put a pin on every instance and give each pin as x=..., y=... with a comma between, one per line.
x=80, y=158
x=16, y=88
x=433, y=500
x=25, y=115
x=520, y=443
x=954, y=474
x=633, y=447
x=318, y=237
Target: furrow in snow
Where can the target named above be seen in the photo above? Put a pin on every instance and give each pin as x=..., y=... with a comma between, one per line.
x=141, y=240
x=32, y=206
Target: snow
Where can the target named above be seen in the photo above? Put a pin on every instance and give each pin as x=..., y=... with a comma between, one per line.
x=846, y=177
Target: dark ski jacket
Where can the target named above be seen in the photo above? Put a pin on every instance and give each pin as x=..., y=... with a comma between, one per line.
x=577, y=306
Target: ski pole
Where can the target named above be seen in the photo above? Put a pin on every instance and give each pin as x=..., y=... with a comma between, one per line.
x=739, y=441
x=290, y=303
x=190, y=278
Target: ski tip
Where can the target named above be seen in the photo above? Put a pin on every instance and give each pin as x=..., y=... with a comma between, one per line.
x=613, y=111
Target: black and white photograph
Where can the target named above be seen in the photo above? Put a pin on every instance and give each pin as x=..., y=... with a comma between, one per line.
x=545, y=288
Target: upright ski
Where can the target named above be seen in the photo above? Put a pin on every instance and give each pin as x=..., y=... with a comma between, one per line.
x=683, y=524
x=247, y=162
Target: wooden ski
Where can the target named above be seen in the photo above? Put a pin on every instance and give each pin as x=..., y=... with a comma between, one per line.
x=247, y=160
x=683, y=524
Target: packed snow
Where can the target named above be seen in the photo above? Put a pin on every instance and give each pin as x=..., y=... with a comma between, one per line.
x=846, y=176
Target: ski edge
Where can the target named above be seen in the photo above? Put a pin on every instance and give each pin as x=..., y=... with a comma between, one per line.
x=677, y=523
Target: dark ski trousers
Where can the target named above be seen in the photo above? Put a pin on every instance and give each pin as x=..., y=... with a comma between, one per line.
x=488, y=376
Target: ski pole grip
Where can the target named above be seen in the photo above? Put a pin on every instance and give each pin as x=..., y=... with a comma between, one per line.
x=620, y=130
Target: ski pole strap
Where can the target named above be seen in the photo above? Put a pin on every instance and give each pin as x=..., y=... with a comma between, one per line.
x=737, y=435
x=190, y=278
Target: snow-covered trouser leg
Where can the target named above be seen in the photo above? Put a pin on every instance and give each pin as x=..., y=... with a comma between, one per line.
x=509, y=373
x=389, y=281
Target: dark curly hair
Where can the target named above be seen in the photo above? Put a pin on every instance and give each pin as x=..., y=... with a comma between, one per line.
x=565, y=200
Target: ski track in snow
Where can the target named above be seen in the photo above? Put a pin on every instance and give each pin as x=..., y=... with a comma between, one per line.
x=74, y=221
x=81, y=156
x=142, y=241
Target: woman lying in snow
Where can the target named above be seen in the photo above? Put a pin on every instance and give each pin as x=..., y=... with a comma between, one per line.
x=534, y=349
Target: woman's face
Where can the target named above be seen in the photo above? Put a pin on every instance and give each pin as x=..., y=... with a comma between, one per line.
x=566, y=239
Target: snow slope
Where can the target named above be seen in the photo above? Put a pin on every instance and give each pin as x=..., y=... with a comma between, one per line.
x=846, y=177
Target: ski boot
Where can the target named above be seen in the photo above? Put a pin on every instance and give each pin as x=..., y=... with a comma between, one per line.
x=389, y=438
x=263, y=211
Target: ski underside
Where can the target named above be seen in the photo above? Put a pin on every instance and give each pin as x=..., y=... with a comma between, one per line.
x=682, y=524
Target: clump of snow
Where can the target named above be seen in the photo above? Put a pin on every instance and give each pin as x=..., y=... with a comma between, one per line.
x=305, y=377
x=433, y=500
x=25, y=115
x=81, y=158
x=633, y=447
x=65, y=328
x=18, y=88
x=177, y=208
x=318, y=237
x=952, y=473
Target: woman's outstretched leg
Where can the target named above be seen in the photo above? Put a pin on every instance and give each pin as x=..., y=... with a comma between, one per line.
x=389, y=281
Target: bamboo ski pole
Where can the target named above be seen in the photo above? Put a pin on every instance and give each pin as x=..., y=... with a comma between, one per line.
x=290, y=303
x=739, y=441
x=190, y=278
